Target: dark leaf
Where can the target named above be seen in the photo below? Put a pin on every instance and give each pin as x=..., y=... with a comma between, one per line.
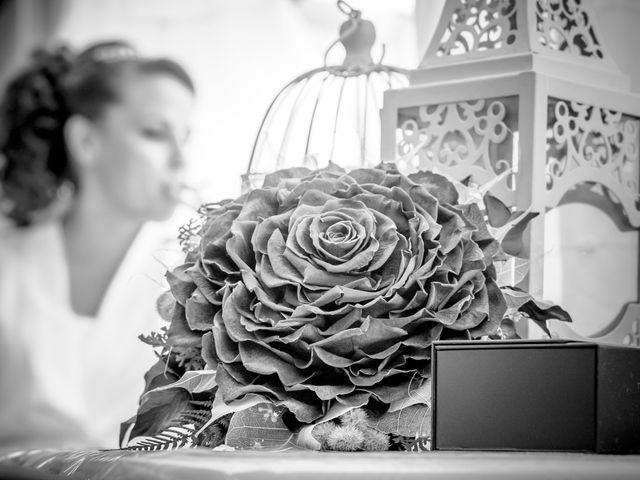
x=498, y=213
x=513, y=242
x=158, y=375
x=259, y=426
x=538, y=311
x=186, y=429
x=507, y=330
x=180, y=283
x=410, y=444
x=155, y=339
x=411, y=421
x=540, y=314
x=179, y=332
x=158, y=410
x=511, y=272
x=165, y=305
x=192, y=382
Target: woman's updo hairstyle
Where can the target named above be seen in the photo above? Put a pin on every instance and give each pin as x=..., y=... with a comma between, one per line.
x=35, y=168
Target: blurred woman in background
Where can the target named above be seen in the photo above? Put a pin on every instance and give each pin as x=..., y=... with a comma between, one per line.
x=91, y=157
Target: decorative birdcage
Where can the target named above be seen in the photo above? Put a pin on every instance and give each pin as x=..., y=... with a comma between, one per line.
x=526, y=92
x=331, y=113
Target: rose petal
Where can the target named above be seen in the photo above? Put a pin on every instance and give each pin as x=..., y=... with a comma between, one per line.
x=437, y=185
x=181, y=284
x=199, y=312
x=224, y=349
x=258, y=359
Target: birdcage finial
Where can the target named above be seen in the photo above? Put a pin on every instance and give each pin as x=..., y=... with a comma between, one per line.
x=357, y=36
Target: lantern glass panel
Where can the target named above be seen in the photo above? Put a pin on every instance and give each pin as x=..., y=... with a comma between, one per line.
x=590, y=265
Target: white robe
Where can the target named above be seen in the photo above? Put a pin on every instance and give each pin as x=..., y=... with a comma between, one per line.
x=68, y=381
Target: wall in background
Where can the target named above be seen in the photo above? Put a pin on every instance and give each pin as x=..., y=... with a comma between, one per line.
x=618, y=21
x=240, y=55
x=24, y=25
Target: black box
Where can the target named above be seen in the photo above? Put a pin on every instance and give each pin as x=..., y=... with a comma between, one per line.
x=535, y=395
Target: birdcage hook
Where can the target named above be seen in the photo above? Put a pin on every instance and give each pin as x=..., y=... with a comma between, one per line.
x=348, y=10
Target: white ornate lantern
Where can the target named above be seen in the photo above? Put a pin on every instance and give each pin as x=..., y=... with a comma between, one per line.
x=526, y=87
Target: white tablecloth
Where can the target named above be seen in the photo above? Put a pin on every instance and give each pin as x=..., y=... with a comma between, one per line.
x=244, y=465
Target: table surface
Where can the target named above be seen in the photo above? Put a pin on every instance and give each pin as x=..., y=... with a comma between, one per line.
x=199, y=464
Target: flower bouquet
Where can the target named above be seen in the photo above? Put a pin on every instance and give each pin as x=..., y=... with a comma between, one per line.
x=305, y=310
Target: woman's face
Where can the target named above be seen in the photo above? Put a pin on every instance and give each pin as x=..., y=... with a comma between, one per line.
x=140, y=169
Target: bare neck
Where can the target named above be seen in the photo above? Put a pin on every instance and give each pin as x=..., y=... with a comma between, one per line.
x=97, y=238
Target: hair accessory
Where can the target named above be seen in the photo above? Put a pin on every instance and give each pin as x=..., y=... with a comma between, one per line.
x=114, y=52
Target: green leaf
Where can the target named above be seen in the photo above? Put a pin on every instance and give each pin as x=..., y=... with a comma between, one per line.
x=156, y=409
x=438, y=185
x=498, y=213
x=192, y=382
x=179, y=332
x=219, y=408
x=164, y=407
x=512, y=271
x=199, y=311
x=419, y=392
x=515, y=298
x=538, y=311
x=513, y=242
x=411, y=421
x=507, y=330
x=158, y=375
x=259, y=426
x=165, y=305
x=180, y=283
x=155, y=339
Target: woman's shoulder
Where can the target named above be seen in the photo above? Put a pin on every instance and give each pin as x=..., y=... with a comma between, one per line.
x=20, y=247
x=12, y=239
x=32, y=275
x=22, y=238
x=6, y=227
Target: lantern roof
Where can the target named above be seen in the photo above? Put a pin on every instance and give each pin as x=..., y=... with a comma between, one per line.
x=559, y=38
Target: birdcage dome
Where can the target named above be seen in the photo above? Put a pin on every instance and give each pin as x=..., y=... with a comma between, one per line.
x=329, y=114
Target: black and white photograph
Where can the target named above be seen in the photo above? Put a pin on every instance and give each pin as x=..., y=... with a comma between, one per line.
x=309, y=239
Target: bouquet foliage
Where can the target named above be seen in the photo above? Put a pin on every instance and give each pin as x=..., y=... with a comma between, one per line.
x=305, y=310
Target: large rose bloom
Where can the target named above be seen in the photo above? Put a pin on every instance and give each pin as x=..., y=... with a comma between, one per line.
x=333, y=287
